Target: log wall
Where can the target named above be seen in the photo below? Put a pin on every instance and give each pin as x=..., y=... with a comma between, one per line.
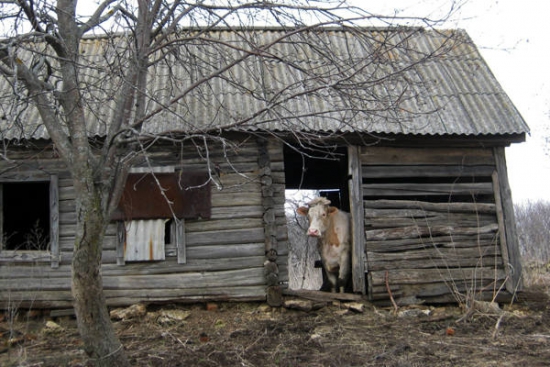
x=225, y=254
x=431, y=224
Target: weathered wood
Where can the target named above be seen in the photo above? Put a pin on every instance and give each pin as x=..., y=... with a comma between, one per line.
x=432, y=253
x=428, y=206
x=401, y=245
x=512, y=242
x=2, y=244
x=194, y=226
x=230, y=236
x=382, y=218
x=377, y=155
x=221, y=199
x=121, y=243
x=236, y=212
x=21, y=257
x=422, y=231
x=179, y=237
x=63, y=299
x=357, y=221
x=322, y=296
x=426, y=276
x=430, y=263
x=274, y=296
x=225, y=294
x=427, y=189
x=457, y=171
x=226, y=278
x=39, y=271
x=216, y=252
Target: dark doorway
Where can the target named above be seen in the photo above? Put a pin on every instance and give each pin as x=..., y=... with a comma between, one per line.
x=26, y=213
x=325, y=170
x=311, y=172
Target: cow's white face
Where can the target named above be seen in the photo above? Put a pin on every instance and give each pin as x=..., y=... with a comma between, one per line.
x=318, y=216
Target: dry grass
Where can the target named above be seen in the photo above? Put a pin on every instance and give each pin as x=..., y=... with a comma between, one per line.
x=256, y=335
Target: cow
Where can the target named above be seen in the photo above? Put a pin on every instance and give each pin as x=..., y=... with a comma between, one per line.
x=331, y=227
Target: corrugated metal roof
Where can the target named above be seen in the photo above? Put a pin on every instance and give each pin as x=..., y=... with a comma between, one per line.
x=396, y=80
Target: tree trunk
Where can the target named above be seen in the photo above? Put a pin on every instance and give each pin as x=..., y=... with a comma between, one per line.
x=94, y=324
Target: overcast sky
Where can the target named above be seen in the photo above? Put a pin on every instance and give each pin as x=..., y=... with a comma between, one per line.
x=514, y=39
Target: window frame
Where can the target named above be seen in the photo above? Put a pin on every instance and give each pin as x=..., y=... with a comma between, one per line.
x=53, y=254
x=177, y=226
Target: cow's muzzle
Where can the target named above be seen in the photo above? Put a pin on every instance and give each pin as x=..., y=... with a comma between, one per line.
x=313, y=232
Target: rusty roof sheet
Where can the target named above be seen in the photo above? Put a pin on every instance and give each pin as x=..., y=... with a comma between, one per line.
x=395, y=81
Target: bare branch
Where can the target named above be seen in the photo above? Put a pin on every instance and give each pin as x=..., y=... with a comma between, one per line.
x=98, y=17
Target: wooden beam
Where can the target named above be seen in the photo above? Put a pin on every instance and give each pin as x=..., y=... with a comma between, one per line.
x=54, y=220
x=178, y=230
x=512, y=243
x=357, y=220
x=322, y=296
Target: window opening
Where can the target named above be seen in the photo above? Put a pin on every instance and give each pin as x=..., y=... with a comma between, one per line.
x=26, y=216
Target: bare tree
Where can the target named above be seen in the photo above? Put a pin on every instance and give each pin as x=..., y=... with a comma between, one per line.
x=104, y=108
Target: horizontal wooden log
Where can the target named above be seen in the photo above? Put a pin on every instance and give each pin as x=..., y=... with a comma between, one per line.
x=233, y=236
x=216, y=252
x=196, y=226
x=430, y=252
x=425, y=276
x=426, y=156
x=397, y=171
x=387, y=219
x=222, y=199
x=249, y=276
x=400, y=245
x=428, y=206
x=236, y=212
x=322, y=296
x=37, y=296
x=418, y=231
x=33, y=257
x=34, y=272
x=427, y=189
x=219, y=294
x=438, y=263
x=63, y=299
x=69, y=230
x=228, y=278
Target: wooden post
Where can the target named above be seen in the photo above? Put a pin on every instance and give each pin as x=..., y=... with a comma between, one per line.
x=178, y=228
x=271, y=269
x=512, y=243
x=2, y=244
x=357, y=220
x=54, y=221
x=121, y=240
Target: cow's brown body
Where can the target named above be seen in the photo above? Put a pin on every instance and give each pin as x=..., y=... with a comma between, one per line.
x=331, y=227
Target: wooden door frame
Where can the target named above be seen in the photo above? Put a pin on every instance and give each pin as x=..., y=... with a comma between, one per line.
x=358, y=257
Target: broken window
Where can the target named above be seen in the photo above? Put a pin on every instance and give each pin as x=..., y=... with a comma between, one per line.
x=152, y=211
x=29, y=225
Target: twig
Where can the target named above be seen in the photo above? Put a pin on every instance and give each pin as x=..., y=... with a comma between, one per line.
x=395, y=307
x=497, y=325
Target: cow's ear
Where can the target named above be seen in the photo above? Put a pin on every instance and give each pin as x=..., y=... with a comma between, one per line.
x=332, y=209
x=302, y=210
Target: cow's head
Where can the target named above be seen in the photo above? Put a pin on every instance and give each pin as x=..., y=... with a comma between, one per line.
x=318, y=214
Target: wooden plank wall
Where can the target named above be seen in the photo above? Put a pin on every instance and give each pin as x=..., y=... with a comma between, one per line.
x=225, y=254
x=431, y=226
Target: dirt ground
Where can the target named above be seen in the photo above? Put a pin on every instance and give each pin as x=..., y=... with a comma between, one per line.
x=253, y=334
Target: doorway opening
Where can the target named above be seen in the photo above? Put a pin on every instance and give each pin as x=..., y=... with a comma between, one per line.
x=311, y=172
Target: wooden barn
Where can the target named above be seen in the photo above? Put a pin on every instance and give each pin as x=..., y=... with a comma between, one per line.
x=426, y=183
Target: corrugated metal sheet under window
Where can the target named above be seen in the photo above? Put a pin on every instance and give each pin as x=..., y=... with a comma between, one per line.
x=145, y=240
